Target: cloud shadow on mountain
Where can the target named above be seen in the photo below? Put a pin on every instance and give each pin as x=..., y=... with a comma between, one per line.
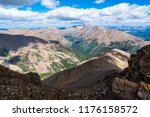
x=14, y=42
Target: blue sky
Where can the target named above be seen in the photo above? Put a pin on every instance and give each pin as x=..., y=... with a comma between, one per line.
x=58, y=13
x=86, y=4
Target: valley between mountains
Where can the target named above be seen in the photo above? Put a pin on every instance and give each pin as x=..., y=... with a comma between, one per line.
x=80, y=62
x=48, y=51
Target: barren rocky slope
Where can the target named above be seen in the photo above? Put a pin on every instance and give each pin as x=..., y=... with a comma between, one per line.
x=27, y=53
x=99, y=34
x=93, y=40
x=49, y=34
x=90, y=72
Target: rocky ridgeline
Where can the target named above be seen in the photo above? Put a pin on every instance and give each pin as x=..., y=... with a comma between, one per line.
x=14, y=85
x=12, y=78
x=134, y=82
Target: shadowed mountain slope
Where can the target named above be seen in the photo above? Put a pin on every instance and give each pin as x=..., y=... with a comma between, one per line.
x=90, y=72
x=15, y=42
x=27, y=53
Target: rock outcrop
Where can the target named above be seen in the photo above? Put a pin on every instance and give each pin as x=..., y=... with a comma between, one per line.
x=14, y=85
x=134, y=81
x=125, y=89
x=12, y=78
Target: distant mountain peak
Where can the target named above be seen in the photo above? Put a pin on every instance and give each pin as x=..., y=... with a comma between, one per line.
x=100, y=34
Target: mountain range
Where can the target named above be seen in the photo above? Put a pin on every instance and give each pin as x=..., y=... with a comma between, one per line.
x=51, y=50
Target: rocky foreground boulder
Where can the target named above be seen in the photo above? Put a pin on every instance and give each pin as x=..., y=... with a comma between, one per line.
x=134, y=81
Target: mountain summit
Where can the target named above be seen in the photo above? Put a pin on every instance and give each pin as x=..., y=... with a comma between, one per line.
x=94, y=40
x=99, y=34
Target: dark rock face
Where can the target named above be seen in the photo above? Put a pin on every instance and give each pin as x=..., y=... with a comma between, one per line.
x=14, y=85
x=134, y=81
x=129, y=90
x=124, y=88
x=139, y=66
x=9, y=77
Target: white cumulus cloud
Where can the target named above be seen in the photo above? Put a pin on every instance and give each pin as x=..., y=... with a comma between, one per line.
x=50, y=3
x=99, y=1
x=124, y=13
